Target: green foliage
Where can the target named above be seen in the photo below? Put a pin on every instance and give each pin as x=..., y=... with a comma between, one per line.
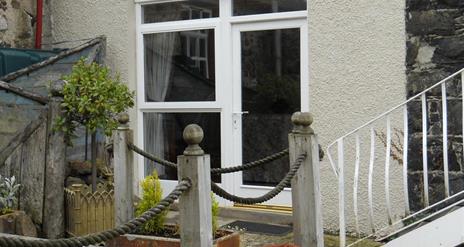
x=152, y=195
x=93, y=98
x=8, y=194
x=215, y=213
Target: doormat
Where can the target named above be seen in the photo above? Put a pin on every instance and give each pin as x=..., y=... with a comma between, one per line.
x=259, y=228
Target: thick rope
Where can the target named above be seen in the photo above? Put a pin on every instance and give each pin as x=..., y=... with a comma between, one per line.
x=243, y=167
x=250, y=165
x=151, y=156
x=266, y=197
x=103, y=236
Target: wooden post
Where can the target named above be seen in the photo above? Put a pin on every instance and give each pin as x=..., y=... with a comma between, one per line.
x=123, y=172
x=55, y=170
x=306, y=196
x=195, y=204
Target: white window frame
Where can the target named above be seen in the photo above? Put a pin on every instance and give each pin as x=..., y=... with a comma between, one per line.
x=223, y=26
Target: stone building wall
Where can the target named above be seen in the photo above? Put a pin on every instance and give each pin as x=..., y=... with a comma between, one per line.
x=435, y=50
x=17, y=23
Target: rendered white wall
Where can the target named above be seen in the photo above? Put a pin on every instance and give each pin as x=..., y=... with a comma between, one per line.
x=357, y=71
x=74, y=20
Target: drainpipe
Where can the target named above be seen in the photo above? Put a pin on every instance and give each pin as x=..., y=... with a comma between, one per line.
x=38, y=31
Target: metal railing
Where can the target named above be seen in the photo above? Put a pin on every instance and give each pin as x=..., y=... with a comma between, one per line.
x=368, y=133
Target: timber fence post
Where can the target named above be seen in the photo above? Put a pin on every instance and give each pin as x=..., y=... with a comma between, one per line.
x=55, y=168
x=123, y=172
x=195, y=204
x=306, y=196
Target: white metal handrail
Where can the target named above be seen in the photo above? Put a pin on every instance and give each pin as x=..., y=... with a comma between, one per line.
x=339, y=166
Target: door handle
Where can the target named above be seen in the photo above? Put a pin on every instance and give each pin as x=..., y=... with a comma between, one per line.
x=236, y=116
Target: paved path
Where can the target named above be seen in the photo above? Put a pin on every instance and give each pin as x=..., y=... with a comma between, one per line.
x=258, y=240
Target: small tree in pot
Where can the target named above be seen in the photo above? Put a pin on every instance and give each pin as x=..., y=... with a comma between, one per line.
x=92, y=97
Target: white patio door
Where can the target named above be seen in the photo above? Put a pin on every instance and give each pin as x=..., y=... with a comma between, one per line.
x=206, y=62
x=270, y=82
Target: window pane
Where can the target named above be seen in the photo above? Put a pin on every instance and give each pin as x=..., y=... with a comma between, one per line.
x=270, y=93
x=252, y=7
x=175, y=70
x=180, y=10
x=163, y=138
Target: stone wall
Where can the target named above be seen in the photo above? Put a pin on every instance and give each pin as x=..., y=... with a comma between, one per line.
x=435, y=50
x=17, y=23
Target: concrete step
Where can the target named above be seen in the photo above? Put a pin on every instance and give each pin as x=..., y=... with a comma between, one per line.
x=446, y=230
x=444, y=208
x=249, y=214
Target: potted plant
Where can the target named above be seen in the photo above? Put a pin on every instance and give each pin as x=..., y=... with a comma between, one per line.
x=156, y=233
x=11, y=220
x=93, y=98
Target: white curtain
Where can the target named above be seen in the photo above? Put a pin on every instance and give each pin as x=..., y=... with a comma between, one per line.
x=158, y=70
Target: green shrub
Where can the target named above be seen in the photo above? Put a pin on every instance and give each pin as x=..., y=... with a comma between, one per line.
x=214, y=213
x=151, y=196
x=93, y=98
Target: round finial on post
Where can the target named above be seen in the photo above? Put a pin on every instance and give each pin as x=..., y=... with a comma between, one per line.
x=305, y=120
x=302, y=122
x=123, y=118
x=56, y=88
x=193, y=135
x=296, y=122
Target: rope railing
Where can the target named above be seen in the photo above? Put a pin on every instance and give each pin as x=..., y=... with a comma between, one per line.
x=151, y=156
x=303, y=176
x=250, y=165
x=96, y=238
x=285, y=182
x=195, y=177
x=225, y=170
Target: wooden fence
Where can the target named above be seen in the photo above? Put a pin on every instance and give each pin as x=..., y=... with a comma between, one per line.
x=36, y=157
x=88, y=212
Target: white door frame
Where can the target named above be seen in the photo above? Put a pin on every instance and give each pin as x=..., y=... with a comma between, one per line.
x=284, y=198
x=224, y=104
x=170, y=107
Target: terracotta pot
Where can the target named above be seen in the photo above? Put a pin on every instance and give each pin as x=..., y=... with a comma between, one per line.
x=132, y=240
x=280, y=245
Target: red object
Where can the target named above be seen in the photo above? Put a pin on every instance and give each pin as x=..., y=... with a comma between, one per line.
x=131, y=240
x=38, y=31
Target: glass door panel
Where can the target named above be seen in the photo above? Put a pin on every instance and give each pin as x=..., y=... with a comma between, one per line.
x=269, y=86
x=180, y=66
x=253, y=7
x=163, y=138
x=270, y=94
x=179, y=10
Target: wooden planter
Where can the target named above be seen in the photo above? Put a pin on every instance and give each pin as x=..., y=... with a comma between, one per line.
x=88, y=212
x=17, y=223
x=132, y=240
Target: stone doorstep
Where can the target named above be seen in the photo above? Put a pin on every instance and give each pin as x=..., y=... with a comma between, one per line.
x=230, y=214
